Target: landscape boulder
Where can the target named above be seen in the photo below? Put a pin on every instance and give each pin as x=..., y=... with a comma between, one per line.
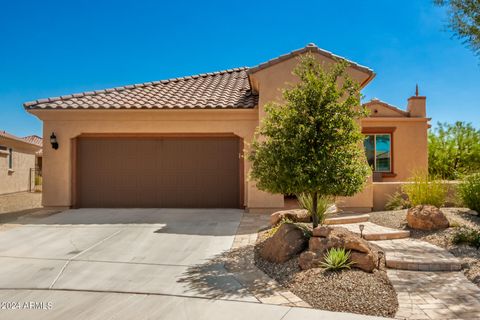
x=294, y=215
x=324, y=238
x=288, y=241
x=426, y=217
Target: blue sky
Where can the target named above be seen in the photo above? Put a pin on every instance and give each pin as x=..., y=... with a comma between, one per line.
x=51, y=48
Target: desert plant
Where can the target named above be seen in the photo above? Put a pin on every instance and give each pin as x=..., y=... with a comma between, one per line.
x=38, y=180
x=397, y=201
x=306, y=231
x=422, y=189
x=466, y=235
x=453, y=150
x=323, y=203
x=469, y=191
x=336, y=259
x=275, y=228
x=312, y=142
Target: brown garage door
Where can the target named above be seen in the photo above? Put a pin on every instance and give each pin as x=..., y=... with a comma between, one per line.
x=187, y=172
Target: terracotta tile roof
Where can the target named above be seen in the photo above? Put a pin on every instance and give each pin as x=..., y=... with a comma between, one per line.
x=311, y=47
x=34, y=139
x=10, y=136
x=223, y=89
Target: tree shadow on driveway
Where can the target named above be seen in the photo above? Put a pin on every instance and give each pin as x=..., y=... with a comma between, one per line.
x=230, y=275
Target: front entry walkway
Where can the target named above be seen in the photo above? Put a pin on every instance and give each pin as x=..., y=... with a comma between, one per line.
x=435, y=295
x=428, y=279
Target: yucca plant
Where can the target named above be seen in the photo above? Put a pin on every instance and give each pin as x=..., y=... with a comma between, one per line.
x=337, y=259
x=323, y=203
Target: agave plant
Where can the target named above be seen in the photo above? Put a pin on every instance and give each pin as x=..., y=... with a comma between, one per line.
x=337, y=259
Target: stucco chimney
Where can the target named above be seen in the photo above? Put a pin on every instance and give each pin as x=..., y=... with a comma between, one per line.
x=417, y=105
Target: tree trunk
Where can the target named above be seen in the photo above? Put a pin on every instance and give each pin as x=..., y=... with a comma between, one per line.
x=314, y=209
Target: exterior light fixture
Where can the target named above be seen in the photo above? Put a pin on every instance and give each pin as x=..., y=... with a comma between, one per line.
x=361, y=227
x=53, y=141
x=381, y=254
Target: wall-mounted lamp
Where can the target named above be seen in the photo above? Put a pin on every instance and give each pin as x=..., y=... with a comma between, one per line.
x=53, y=141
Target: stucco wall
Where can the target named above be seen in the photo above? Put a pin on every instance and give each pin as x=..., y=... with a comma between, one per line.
x=23, y=159
x=409, y=147
x=269, y=82
x=69, y=124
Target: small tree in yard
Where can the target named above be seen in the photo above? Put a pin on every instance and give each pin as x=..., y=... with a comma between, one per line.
x=311, y=144
x=453, y=150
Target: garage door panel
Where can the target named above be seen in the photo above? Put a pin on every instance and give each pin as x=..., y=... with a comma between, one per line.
x=158, y=172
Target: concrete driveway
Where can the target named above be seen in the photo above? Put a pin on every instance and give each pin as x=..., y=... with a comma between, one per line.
x=127, y=264
x=118, y=250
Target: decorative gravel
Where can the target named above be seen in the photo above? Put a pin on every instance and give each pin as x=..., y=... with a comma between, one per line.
x=351, y=290
x=443, y=238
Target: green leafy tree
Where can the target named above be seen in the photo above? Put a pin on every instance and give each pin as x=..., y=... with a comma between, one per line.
x=453, y=150
x=464, y=21
x=311, y=143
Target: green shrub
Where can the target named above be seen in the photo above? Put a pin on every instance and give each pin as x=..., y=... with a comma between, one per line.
x=336, y=259
x=469, y=191
x=465, y=235
x=423, y=190
x=306, y=231
x=454, y=223
x=323, y=202
x=275, y=228
x=453, y=150
x=397, y=201
x=38, y=180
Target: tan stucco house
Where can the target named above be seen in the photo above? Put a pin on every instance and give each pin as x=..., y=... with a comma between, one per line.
x=18, y=162
x=180, y=142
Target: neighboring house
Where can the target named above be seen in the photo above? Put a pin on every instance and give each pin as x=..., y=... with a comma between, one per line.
x=17, y=161
x=34, y=139
x=180, y=142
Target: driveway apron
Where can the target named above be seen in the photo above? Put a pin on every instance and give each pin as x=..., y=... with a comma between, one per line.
x=144, y=251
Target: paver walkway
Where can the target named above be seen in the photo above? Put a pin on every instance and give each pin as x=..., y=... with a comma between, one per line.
x=416, y=255
x=427, y=278
x=373, y=231
x=422, y=275
x=435, y=295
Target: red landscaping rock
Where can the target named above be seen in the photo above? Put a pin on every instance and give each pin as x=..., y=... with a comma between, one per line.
x=325, y=238
x=288, y=241
x=426, y=217
x=294, y=215
x=322, y=231
x=338, y=237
